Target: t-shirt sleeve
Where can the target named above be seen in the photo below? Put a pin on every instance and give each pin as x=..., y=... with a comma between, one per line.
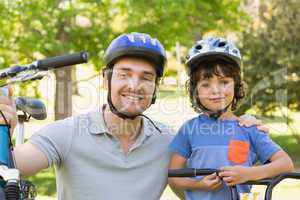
x=181, y=144
x=265, y=148
x=54, y=140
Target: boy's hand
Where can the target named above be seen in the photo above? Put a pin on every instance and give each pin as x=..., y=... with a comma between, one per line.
x=233, y=175
x=249, y=120
x=211, y=182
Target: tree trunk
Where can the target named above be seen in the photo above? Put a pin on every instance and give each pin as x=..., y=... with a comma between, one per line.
x=74, y=79
x=63, y=76
x=63, y=93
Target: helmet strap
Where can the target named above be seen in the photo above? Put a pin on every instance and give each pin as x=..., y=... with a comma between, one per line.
x=215, y=115
x=154, y=96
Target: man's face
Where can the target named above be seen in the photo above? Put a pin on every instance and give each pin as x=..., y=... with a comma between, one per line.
x=132, y=85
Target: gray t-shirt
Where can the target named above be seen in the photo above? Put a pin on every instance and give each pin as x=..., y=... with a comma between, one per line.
x=91, y=165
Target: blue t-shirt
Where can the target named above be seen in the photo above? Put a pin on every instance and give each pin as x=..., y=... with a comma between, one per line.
x=209, y=143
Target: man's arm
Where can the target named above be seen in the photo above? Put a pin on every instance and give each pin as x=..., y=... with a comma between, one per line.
x=29, y=159
x=250, y=120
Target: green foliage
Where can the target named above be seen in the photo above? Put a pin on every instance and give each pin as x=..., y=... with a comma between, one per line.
x=52, y=27
x=171, y=72
x=55, y=27
x=272, y=57
x=34, y=29
x=45, y=182
x=180, y=20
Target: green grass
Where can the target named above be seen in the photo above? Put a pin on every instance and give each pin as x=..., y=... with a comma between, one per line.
x=290, y=145
x=171, y=92
x=45, y=182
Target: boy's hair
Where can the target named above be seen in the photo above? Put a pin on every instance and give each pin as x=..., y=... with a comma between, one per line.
x=219, y=67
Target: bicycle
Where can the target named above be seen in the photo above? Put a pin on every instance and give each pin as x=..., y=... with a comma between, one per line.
x=269, y=182
x=12, y=186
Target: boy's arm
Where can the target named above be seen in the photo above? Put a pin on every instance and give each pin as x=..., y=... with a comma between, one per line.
x=279, y=162
x=210, y=182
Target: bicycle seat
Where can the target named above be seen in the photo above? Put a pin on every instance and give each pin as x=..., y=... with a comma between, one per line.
x=31, y=106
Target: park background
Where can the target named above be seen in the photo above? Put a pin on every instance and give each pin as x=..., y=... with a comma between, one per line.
x=266, y=31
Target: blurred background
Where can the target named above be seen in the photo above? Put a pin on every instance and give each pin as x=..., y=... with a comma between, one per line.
x=266, y=31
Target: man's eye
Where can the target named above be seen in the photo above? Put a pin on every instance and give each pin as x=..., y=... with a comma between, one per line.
x=122, y=75
x=147, y=78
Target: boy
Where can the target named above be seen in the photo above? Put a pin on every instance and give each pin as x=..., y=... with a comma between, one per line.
x=214, y=139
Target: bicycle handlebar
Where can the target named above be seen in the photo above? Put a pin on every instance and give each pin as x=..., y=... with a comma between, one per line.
x=191, y=172
x=46, y=64
x=269, y=182
x=61, y=61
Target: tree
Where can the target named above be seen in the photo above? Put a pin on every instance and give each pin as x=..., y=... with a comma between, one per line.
x=45, y=28
x=272, y=59
x=55, y=27
x=182, y=21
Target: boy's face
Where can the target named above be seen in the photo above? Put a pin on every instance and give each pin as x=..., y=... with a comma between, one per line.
x=132, y=85
x=215, y=93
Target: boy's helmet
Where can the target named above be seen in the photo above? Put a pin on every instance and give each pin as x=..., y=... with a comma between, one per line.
x=213, y=47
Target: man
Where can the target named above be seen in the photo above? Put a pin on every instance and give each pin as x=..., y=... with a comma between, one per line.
x=115, y=152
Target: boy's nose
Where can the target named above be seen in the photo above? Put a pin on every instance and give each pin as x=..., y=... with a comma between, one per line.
x=215, y=89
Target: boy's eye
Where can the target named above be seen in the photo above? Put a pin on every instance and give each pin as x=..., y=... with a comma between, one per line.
x=224, y=82
x=204, y=85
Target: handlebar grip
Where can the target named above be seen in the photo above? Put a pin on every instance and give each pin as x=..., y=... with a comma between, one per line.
x=190, y=172
x=61, y=61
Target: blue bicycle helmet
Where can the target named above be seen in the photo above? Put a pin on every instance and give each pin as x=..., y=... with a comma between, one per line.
x=136, y=45
x=213, y=47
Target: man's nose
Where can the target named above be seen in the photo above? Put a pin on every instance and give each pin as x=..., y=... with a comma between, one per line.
x=134, y=82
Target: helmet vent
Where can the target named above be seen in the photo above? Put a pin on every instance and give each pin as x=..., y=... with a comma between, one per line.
x=198, y=47
x=221, y=44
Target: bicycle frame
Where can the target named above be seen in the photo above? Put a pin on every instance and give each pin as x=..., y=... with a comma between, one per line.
x=10, y=181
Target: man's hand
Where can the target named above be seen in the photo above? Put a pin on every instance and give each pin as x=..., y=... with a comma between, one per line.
x=8, y=108
x=233, y=175
x=211, y=182
x=249, y=120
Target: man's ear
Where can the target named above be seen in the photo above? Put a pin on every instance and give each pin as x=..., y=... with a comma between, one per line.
x=105, y=83
x=105, y=79
x=155, y=93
